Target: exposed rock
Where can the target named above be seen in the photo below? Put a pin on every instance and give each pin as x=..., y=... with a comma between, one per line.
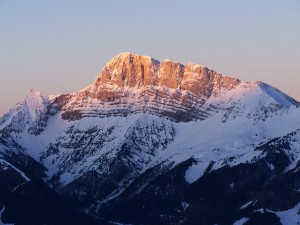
x=132, y=83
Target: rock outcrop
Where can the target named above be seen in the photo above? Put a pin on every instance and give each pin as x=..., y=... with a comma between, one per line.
x=131, y=83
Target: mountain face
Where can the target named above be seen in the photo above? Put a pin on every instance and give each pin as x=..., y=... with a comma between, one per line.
x=131, y=84
x=152, y=142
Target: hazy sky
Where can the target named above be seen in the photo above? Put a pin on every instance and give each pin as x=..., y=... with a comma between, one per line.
x=60, y=46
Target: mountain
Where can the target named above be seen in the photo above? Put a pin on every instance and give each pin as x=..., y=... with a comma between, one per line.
x=152, y=142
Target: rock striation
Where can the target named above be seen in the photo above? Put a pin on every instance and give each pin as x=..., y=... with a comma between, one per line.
x=131, y=83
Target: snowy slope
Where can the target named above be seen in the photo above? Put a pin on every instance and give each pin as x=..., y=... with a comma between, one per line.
x=31, y=114
x=243, y=118
x=248, y=109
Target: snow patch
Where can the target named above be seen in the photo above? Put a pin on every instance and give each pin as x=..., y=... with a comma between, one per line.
x=287, y=217
x=195, y=171
x=241, y=221
x=185, y=205
x=246, y=205
x=290, y=217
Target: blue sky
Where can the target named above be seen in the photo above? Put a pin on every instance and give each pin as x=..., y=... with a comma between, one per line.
x=60, y=46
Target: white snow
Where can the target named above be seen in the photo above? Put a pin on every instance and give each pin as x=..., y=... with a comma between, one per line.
x=195, y=171
x=27, y=112
x=185, y=205
x=207, y=140
x=117, y=223
x=212, y=140
x=287, y=217
x=290, y=217
x=241, y=221
x=246, y=205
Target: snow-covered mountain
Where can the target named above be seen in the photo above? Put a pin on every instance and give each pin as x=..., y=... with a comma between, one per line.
x=152, y=142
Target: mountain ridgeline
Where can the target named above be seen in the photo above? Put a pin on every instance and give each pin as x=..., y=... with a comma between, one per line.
x=152, y=142
x=139, y=84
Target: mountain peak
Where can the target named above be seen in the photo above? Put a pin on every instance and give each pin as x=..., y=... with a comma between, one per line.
x=127, y=57
x=131, y=83
x=137, y=71
x=35, y=93
x=31, y=113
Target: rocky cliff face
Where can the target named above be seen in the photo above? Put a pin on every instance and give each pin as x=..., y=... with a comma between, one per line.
x=131, y=83
x=135, y=71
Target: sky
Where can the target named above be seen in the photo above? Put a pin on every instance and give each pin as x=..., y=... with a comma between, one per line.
x=60, y=46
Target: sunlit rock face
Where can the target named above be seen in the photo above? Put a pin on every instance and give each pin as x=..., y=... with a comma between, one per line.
x=131, y=83
x=135, y=71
